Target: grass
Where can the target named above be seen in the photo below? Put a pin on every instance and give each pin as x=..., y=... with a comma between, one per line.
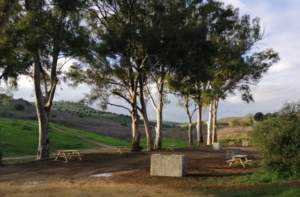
x=20, y=137
x=262, y=190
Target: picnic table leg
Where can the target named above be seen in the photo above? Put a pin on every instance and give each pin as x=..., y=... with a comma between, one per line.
x=242, y=163
x=66, y=158
x=57, y=156
x=79, y=155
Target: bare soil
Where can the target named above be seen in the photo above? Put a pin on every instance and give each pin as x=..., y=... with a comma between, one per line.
x=130, y=175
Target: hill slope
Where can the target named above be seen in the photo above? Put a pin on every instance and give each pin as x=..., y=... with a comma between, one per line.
x=20, y=137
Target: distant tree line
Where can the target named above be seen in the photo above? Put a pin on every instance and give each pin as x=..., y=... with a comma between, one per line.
x=136, y=50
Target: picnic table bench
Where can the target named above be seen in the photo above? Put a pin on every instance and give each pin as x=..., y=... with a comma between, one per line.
x=68, y=155
x=171, y=147
x=239, y=159
x=122, y=149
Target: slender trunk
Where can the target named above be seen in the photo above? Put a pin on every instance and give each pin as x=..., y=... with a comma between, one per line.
x=214, y=122
x=144, y=113
x=42, y=115
x=159, y=118
x=200, y=139
x=190, y=123
x=209, y=125
x=135, y=126
x=146, y=119
x=158, y=133
x=190, y=134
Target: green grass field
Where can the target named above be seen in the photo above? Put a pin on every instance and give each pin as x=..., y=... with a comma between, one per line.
x=259, y=190
x=20, y=137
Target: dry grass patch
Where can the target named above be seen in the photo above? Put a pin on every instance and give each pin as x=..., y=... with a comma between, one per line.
x=88, y=188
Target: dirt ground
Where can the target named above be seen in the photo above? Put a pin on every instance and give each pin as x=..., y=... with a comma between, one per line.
x=130, y=175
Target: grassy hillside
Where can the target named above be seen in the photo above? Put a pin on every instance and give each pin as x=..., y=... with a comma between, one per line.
x=19, y=137
x=237, y=121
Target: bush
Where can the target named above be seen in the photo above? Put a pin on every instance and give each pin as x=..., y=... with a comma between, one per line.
x=19, y=107
x=279, y=141
x=258, y=116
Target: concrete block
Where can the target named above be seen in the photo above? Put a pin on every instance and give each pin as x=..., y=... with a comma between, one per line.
x=168, y=165
x=231, y=152
x=245, y=143
x=216, y=146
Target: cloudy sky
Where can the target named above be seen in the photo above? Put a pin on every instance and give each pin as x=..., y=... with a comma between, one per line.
x=281, y=84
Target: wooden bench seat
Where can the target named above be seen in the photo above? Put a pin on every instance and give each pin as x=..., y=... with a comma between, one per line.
x=68, y=155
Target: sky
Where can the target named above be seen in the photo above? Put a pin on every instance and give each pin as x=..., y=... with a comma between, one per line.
x=279, y=19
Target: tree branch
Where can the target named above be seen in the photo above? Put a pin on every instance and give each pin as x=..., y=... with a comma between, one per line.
x=120, y=106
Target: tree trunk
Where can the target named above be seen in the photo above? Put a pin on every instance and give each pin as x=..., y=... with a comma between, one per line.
x=190, y=134
x=159, y=108
x=200, y=139
x=158, y=133
x=190, y=123
x=143, y=111
x=135, y=127
x=42, y=115
x=214, y=122
x=209, y=126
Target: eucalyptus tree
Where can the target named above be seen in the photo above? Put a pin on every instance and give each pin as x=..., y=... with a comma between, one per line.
x=167, y=45
x=37, y=35
x=120, y=63
x=236, y=67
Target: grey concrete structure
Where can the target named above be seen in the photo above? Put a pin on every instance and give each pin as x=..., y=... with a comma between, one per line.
x=168, y=165
x=216, y=146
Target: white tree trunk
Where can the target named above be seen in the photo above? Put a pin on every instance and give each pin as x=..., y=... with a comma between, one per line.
x=215, y=121
x=159, y=118
x=158, y=132
x=199, y=125
x=42, y=115
x=135, y=130
x=209, y=126
x=143, y=110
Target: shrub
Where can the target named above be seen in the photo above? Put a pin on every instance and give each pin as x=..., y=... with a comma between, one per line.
x=258, y=116
x=279, y=141
x=234, y=123
x=19, y=107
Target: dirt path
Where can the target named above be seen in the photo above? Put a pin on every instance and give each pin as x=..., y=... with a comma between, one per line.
x=130, y=175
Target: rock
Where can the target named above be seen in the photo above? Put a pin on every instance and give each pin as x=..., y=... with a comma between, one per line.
x=168, y=165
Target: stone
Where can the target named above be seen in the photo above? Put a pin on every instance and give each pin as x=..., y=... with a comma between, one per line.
x=232, y=152
x=168, y=165
x=216, y=146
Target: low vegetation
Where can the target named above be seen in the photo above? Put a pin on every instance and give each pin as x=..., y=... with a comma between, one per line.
x=62, y=138
x=279, y=141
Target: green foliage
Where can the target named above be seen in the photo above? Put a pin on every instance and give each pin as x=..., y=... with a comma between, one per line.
x=283, y=190
x=19, y=107
x=258, y=116
x=279, y=141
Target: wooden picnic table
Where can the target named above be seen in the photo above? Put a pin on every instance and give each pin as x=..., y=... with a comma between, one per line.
x=122, y=149
x=68, y=155
x=239, y=159
x=171, y=147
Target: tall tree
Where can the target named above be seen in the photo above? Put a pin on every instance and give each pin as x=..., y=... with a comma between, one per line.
x=236, y=67
x=119, y=65
x=38, y=36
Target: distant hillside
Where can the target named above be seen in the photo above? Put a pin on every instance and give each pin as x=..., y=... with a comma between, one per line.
x=237, y=121
x=79, y=115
